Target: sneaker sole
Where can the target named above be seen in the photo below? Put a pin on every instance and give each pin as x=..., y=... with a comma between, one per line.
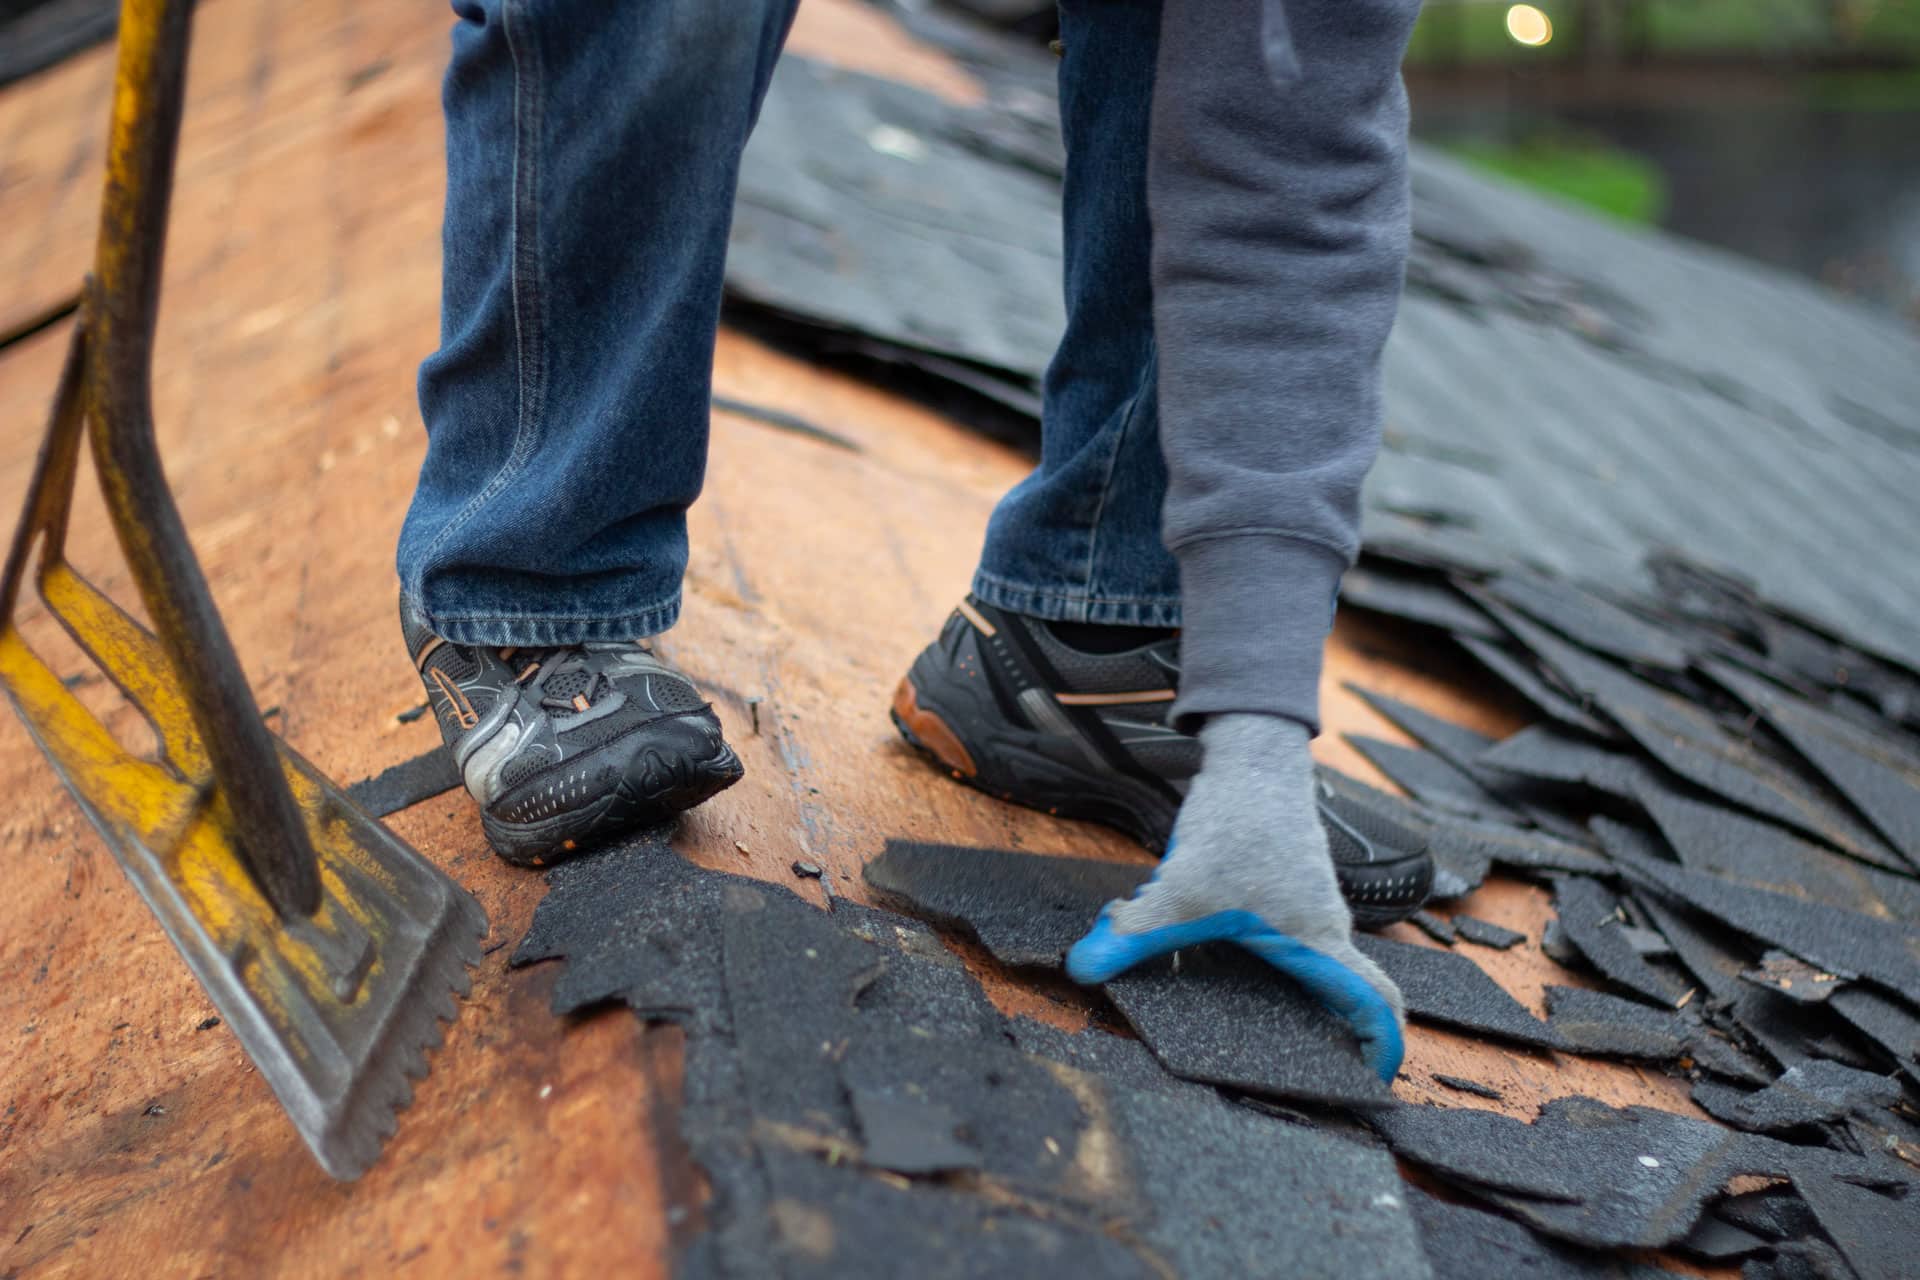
x=981, y=750
x=655, y=789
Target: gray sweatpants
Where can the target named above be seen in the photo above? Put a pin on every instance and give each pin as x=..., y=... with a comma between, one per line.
x=1277, y=185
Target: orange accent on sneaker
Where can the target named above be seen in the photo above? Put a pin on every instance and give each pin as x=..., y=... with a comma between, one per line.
x=580, y=702
x=973, y=615
x=1113, y=699
x=931, y=731
x=426, y=651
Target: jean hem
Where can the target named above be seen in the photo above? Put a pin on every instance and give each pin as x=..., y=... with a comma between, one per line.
x=547, y=630
x=1053, y=604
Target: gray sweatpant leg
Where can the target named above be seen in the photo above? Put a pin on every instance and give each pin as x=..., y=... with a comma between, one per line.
x=1280, y=229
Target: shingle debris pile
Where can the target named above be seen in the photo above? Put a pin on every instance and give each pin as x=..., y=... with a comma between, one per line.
x=859, y=1108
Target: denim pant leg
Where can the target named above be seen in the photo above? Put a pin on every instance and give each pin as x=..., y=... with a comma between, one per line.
x=592, y=154
x=1079, y=539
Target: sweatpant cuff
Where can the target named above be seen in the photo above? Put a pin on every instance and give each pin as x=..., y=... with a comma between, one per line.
x=1257, y=611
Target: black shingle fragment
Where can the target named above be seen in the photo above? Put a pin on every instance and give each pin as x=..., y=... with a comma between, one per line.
x=1026, y=909
x=1227, y=1018
x=1424, y=599
x=1878, y=773
x=636, y=922
x=1596, y=1023
x=1487, y=934
x=1237, y=1193
x=1448, y=989
x=1436, y=927
x=1843, y=942
x=1463, y=1085
x=406, y=784
x=1115, y=1058
x=1709, y=836
x=1713, y=1239
x=1524, y=679
x=1582, y=616
x=1590, y=1174
x=1686, y=739
x=1464, y=841
x=1648, y=944
x=1773, y=1213
x=907, y=1133
x=1810, y=1094
x=1876, y=1233
x=835, y=1221
x=1590, y=916
x=1884, y=1020
x=1455, y=743
x=1466, y=1244
x=1793, y=978
x=1555, y=755
x=1430, y=779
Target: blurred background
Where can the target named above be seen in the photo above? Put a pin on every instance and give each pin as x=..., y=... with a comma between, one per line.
x=1785, y=130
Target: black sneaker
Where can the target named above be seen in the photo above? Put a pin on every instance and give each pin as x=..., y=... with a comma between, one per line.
x=1011, y=708
x=567, y=747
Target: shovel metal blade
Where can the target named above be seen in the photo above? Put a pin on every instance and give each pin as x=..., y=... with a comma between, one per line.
x=336, y=1009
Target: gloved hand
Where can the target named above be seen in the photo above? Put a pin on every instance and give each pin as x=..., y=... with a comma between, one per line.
x=1248, y=864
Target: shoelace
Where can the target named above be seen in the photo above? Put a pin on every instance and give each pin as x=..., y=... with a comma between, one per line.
x=540, y=666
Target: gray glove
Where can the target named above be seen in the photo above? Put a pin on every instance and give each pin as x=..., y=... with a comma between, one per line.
x=1249, y=864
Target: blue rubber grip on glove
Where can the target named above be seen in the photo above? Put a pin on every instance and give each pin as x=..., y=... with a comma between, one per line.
x=1106, y=953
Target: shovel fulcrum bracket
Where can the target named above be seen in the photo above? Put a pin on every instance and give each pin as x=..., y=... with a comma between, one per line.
x=332, y=949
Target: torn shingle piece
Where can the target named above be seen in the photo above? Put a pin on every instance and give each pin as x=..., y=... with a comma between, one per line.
x=1555, y=755
x=1519, y=675
x=1582, y=616
x=1430, y=779
x=1843, y=942
x=1237, y=1193
x=1468, y=1244
x=1226, y=1018
x=1884, y=1020
x=1590, y=916
x=1879, y=774
x=1810, y=1094
x=1425, y=599
x=1713, y=1239
x=637, y=922
x=1592, y=1174
x=1772, y=1213
x=1019, y=1118
x=1462, y=1085
x=1875, y=1233
x=1709, y=836
x=1026, y=909
x=908, y=1133
x=1466, y=841
x=834, y=1221
x=1455, y=743
x=1646, y=943
x=1793, y=978
x=1448, y=989
x=406, y=784
x=1115, y=1058
x=1687, y=740
x=1435, y=927
x=1486, y=934
x=1593, y=1022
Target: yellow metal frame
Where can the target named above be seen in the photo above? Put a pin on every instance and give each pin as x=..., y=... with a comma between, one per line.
x=330, y=947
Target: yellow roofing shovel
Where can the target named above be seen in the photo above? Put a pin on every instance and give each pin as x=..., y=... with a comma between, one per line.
x=332, y=949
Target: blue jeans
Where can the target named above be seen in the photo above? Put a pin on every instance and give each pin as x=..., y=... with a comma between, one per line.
x=592, y=154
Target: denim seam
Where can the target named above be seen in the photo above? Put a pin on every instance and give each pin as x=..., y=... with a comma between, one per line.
x=529, y=331
x=1113, y=458
x=1068, y=596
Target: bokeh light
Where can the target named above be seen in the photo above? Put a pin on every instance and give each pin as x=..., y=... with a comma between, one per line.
x=1528, y=24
